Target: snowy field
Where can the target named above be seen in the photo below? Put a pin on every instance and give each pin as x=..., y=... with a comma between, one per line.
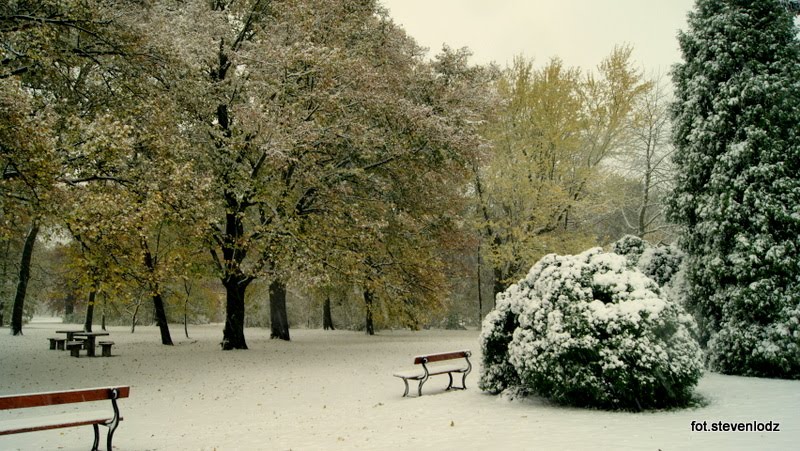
x=335, y=391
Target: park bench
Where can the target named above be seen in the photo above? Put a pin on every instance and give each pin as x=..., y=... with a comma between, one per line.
x=64, y=420
x=422, y=375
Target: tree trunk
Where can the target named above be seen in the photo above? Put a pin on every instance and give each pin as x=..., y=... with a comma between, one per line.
x=135, y=315
x=155, y=291
x=233, y=334
x=87, y=325
x=327, y=318
x=161, y=319
x=642, y=220
x=369, y=299
x=188, y=289
x=498, y=284
x=24, y=276
x=6, y=261
x=480, y=286
x=279, y=320
x=186, y=317
x=69, y=306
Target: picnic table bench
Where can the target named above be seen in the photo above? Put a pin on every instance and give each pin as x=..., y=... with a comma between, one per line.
x=57, y=343
x=422, y=375
x=43, y=423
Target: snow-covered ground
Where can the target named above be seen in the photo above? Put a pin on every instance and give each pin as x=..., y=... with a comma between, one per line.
x=335, y=391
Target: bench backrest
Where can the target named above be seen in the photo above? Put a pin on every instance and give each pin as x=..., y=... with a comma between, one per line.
x=8, y=402
x=430, y=358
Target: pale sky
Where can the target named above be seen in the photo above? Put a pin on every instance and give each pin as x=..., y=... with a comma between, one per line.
x=580, y=32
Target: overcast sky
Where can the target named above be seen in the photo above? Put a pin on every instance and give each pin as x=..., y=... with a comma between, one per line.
x=580, y=32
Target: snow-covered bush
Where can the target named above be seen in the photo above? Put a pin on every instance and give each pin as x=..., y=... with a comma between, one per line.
x=589, y=330
x=666, y=265
x=661, y=263
x=630, y=246
x=496, y=334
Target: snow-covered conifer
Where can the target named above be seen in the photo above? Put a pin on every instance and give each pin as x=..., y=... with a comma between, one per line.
x=737, y=138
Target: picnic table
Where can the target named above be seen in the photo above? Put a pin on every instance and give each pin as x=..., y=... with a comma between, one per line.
x=70, y=333
x=90, y=340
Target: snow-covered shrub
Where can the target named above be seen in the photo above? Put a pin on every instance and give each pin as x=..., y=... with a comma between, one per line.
x=589, y=330
x=496, y=334
x=666, y=265
x=630, y=246
x=661, y=263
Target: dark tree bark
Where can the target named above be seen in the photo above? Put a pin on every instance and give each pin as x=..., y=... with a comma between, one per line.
x=327, y=318
x=158, y=302
x=279, y=320
x=187, y=287
x=135, y=316
x=369, y=300
x=233, y=334
x=498, y=287
x=69, y=305
x=480, y=286
x=24, y=276
x=87, y=325
x=4, y=275
x=161, y=319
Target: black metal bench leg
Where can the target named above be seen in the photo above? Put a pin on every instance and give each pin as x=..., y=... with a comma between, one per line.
x=405, y=393
x=111, y=430
x=112, y=426
x=421, y=383
x=450, y=384
x=96, y=437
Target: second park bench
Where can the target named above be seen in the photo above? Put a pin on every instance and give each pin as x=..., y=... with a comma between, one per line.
x=462, y=367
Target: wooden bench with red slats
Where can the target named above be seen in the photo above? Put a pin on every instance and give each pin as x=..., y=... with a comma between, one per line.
x=422, y=375
x=43, y=423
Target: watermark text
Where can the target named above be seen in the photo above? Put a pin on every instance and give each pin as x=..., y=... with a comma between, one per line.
x=735, y=426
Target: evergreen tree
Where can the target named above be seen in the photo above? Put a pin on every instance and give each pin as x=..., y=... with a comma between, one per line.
x=737, y=196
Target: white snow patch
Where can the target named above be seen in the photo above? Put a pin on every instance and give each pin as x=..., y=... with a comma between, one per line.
x=334, y=391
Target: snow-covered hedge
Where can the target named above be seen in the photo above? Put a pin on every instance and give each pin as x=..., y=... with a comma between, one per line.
x=589, y=330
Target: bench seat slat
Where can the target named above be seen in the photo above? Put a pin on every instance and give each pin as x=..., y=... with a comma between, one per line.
x=44, y=423
x=432, y=371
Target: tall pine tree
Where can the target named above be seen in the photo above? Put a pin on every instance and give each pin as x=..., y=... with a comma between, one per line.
x=737, y=136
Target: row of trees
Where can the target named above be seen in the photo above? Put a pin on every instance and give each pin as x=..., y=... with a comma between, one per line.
x=236, y=139
x=304, y=144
